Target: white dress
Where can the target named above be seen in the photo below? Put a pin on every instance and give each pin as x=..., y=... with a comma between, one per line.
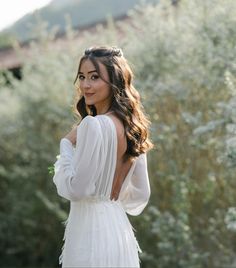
x=98, y=232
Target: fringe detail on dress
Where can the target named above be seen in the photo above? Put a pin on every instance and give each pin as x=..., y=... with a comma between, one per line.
x=137, y=244
x=64, y=237
x=136, y=241
x=100, y=235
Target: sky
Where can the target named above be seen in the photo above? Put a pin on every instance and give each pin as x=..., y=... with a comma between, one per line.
x=12, y=10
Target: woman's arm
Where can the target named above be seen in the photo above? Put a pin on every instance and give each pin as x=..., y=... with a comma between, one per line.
x=136, y=194
x=76, y=169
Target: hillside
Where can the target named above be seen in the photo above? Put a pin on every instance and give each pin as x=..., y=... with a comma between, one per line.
x=83, y=13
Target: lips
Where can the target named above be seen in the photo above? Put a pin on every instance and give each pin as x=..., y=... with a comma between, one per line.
x=88, y=94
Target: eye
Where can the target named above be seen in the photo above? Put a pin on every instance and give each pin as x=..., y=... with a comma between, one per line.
x=81, y=77
x=94, y=77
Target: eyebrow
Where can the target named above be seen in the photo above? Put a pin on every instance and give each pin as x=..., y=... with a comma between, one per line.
x=88, y=72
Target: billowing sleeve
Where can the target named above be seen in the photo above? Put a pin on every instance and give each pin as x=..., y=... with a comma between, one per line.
x=136, y=193
x=76, y=170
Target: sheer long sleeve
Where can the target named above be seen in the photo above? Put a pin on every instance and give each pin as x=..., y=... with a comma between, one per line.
x=135, y=195
x=77, y=168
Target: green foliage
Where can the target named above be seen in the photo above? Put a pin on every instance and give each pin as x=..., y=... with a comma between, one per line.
x=183, y=66
x=36, y=114
x=184, y=62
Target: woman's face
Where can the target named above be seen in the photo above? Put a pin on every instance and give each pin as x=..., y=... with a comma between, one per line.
x=95, y=91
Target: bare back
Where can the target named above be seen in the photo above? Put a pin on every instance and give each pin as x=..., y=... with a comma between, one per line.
x=122, y=168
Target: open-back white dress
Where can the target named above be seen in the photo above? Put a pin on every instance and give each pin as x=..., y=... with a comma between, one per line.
x=98, y=232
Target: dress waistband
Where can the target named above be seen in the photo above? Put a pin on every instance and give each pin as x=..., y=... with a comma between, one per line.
x=96, y=199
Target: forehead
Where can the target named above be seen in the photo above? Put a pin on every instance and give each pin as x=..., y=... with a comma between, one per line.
x=87, y=65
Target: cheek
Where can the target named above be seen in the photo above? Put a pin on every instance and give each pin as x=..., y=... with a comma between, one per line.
x=80, y=89
x=102, y=89
x=106, y=91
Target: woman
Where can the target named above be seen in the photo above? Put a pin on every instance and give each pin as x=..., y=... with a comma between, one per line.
x=105, y=175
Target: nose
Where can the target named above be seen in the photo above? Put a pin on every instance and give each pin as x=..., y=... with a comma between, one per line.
x=86, y=83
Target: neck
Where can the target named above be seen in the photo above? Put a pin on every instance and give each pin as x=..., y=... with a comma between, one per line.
x=103, y=110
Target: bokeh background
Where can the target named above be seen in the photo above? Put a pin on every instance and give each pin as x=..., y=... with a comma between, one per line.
x=183, y=54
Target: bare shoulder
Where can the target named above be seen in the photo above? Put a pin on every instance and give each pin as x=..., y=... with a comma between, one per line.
x=119, y=125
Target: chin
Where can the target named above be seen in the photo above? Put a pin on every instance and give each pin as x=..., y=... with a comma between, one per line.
x=89, y=102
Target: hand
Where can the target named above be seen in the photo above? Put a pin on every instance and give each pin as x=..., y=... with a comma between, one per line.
x=72, y=135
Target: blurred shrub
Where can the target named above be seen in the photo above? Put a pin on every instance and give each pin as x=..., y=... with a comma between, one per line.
x=35, y=114
x=184, y=67
x=183, y=56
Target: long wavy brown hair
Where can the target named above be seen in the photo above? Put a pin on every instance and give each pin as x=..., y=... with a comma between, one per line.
x=125, y=102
